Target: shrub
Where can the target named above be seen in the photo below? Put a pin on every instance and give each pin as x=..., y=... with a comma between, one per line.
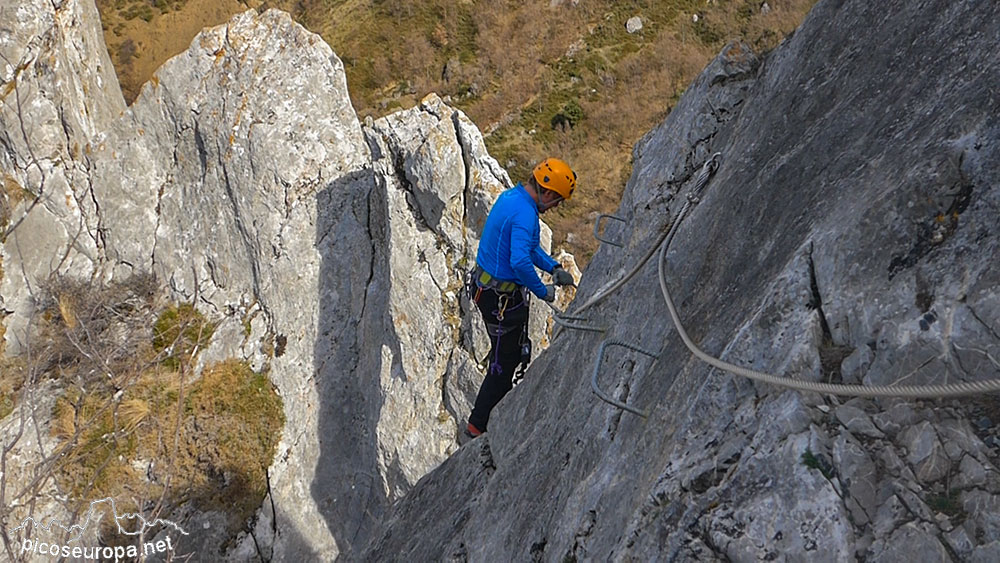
x=129, y=423
x=126, y=51
x=215, y=455
x=89, y=332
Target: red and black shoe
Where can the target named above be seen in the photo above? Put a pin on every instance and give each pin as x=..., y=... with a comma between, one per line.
x=471, y=431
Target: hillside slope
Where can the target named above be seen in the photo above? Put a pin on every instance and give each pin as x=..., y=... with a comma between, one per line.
x=849, y=235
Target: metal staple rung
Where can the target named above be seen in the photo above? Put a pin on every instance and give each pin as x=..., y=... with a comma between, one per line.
x=597, y=369
x=569, y=322
x=597, y=228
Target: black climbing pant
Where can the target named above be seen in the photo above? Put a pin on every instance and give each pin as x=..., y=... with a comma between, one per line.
x=506, y=319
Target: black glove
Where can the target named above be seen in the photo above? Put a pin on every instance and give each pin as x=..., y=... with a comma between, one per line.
x=562, y=277
x=550, y=293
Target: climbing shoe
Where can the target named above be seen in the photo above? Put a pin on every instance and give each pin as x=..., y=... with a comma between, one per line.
x=467, y=435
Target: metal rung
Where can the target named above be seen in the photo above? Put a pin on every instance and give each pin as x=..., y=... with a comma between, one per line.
x=597, y=228
x=570, y=321
x=597, y=369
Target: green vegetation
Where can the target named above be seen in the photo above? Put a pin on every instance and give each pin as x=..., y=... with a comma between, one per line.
x=140, y=10
x=214, y=456
x=810, y=460
x=179, y=332
x=239, y=412
x=947, y=503
x=131, y=420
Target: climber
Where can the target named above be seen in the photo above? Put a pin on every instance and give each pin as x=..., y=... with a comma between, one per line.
x=509, y=251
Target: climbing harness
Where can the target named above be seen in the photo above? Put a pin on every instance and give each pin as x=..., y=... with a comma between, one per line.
x=485, y=280
x=476, y=281
x=662, y=243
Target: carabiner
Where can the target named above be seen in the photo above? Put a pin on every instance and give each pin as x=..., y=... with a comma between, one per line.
x=503, y=302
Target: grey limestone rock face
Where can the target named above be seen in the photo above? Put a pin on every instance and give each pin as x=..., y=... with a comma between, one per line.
x=59, y=91
x=246, y=188
x=331, y=254
x=439, y=184
x=849, y=235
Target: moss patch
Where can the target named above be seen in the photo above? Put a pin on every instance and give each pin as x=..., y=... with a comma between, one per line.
x=131, y=422
x=240, y=413
x=179, y=332
x=208, y=443
x=819, y=463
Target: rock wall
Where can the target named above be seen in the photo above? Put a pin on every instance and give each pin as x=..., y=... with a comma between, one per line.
x=330, y=253
x=849, y=235
x=59, y=90
x=246, y=186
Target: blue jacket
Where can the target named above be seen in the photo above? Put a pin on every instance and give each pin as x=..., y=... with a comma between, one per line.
x=510, y=245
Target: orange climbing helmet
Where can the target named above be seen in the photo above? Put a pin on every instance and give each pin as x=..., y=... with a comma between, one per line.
x=556, y=175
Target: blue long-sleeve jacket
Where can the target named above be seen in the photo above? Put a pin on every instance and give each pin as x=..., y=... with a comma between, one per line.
x=510, y=246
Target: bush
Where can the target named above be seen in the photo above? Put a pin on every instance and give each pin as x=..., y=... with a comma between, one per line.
x=129, y=422
x=126, y=51
x=214, y=456
x=90, y=332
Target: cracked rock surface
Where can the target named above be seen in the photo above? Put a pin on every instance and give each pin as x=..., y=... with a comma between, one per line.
x=59, y=90
x=330, y=253
x=849, y=236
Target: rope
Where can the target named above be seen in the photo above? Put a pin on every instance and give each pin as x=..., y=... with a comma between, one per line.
x=909, y=391
x=707, y=169
x=663, y=243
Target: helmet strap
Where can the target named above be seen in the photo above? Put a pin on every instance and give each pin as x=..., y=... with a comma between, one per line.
x=553, y=203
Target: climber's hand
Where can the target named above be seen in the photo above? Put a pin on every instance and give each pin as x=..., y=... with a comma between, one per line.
x=550, y=293
x=562, y=277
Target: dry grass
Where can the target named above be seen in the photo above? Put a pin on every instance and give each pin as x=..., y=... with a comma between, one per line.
x=13, y=374
x=85, y=329
x=214, y=456
x=133, y=412
x=236, y=414
x=130, y=422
